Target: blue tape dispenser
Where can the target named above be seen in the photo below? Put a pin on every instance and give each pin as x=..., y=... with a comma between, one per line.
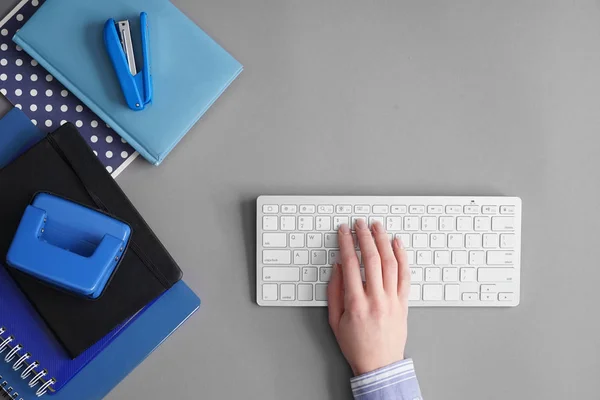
x=137, y=87
x=68, y=245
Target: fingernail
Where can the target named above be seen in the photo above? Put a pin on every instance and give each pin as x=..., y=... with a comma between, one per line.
x=398, y=242
x=377, y=227
x=344, y=229
x=361, y=224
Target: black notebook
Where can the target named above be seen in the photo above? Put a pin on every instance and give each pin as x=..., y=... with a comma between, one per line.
x=63, y=164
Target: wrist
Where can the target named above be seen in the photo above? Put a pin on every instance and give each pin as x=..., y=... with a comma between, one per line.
x=365, y=368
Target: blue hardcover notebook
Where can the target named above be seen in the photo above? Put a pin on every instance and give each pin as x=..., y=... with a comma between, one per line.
x=124, y=354
x=17, y=134
x=189, y=69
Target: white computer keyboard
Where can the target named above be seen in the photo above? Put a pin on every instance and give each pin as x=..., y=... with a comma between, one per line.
x=462, y=251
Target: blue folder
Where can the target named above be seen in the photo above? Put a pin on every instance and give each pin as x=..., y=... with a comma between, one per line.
x=124, y=354
x=189, y=69
x=17, y=134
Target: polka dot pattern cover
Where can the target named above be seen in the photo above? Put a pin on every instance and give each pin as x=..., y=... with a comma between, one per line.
x=28, y=86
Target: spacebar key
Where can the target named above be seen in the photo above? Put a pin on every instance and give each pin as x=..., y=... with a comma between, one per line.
x=495, y=274
x=286, y=274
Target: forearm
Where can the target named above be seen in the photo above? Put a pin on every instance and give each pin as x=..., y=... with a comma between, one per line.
x=397, y=381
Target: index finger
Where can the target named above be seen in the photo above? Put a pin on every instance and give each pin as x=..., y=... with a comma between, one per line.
x=350, y=267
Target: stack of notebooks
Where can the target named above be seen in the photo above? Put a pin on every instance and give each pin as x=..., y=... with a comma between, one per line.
x=66, y=96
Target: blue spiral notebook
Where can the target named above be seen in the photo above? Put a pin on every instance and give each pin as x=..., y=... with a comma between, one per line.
x=122, y=355
x=189, y=69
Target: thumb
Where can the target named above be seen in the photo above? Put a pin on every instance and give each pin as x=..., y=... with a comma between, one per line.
x=335, y=297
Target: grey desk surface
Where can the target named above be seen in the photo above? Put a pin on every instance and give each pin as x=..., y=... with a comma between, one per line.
x=393, y=98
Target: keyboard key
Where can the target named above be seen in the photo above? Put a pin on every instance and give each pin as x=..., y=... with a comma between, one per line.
x=508, y=240
x=270, y=223
x=482, y=224
x=435, y=209
x=277, y=257
x=415, y=293
x=429, y=223
x=451, y=292
x=507, y=210
x=489, y=209
x=477, y=257
x=503, y=224
x=441, y=257
x=500, y=257
x=269, y=292
x=488, y=296
x=305, y=292
x=432, y=292
x=495, y=274
x=450, y=274
x=305, y=223
x=506, y=296
x=320, y=292
x=355, y=219
x=410, y=256
x=393, y=224
x=396, y=209
x=314, y=240
x=318, y=257
x=381, y=209
x=323, y=223
x=289, y=209
x=331, y=240
x=459, y=257
x=287, y=292
x=424, y=257
x=338, y=221
x=270, y=209
x=456, y=241
x=416, y=209
x=343, y=209
x=447, y=223
x=288, y=223
x=307, y=209
x=405, y=239
x=453, y=209
x=411, y=223
x=325, y=274
x=437, y=240
x=469, y=296
x=490, y=240
x=473, y=240
x=362, y=209
x=471, y=209
x=301, y=257
x=325, y=209
x=372, y=220
x=419, y=240
x=334, y=257
x=296, y=240
x=488, y=289
x=281, y=274
x=468, y=274
x=274, y=239
x=433, y=274
x=309, y=274
x=464, y=224
x=416, y=274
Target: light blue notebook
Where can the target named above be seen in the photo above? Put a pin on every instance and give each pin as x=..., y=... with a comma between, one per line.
x=189, y=70
x=122, y=356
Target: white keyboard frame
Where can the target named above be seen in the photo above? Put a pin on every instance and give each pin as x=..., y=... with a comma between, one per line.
x=391, y=200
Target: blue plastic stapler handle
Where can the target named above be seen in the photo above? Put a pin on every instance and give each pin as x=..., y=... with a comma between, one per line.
x=138, y=89
x=28, y=249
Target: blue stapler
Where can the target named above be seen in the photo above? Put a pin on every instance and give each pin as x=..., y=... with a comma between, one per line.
x=137, y=87
x=68, y=245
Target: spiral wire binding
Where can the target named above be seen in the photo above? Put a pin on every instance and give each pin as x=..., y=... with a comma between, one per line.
x=13, y=353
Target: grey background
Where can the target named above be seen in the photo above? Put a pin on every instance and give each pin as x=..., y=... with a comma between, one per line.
x=391, y=98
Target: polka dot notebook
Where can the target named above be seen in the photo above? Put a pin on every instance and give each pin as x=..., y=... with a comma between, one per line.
x=46, y=102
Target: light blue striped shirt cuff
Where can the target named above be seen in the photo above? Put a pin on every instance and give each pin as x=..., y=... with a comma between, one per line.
x=397, y=381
